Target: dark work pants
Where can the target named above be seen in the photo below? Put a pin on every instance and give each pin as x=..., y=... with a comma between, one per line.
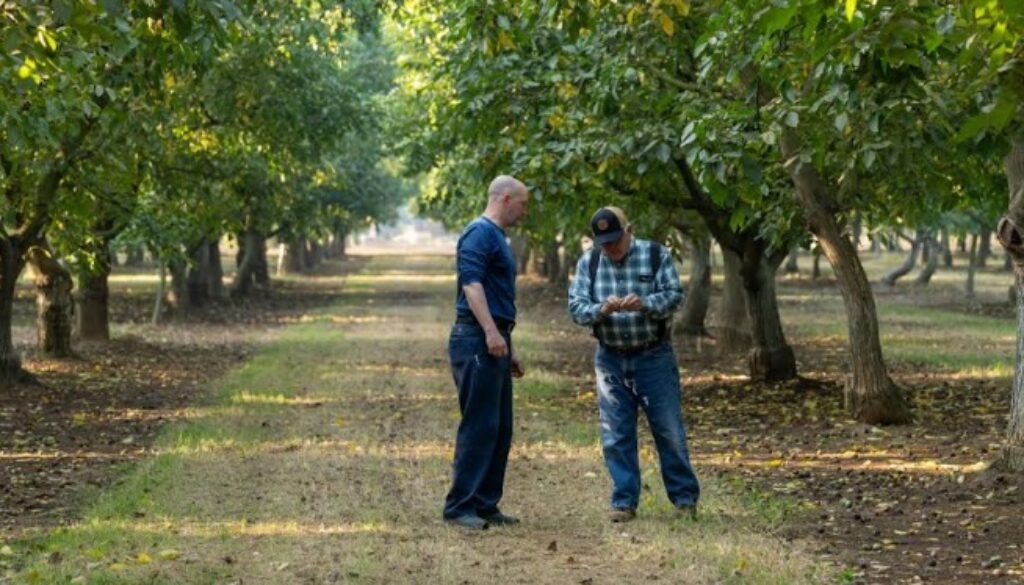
x=485, y=431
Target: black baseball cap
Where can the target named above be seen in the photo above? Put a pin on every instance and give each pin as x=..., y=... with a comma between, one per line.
x=608, y=224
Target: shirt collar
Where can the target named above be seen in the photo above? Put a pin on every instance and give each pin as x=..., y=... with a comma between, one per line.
x=492, y=222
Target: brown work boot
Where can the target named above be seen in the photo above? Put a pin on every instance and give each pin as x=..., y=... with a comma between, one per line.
x=619, y=515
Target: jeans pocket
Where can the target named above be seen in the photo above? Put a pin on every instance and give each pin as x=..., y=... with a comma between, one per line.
x=465, y=346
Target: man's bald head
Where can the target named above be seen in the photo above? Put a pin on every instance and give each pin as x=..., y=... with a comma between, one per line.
x=505, y=185
x=507, y=199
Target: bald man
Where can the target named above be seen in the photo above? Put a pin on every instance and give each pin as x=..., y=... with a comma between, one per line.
x=482, y=359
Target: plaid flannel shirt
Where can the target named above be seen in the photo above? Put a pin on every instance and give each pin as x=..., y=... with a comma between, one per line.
x=661, y=294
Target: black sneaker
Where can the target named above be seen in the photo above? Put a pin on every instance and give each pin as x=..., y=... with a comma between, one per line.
x=469, y=522
x=499, y=519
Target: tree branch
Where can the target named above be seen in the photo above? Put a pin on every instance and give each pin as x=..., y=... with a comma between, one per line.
x=712, y=214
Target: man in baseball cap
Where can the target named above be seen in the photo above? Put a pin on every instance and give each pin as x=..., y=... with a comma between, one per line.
x=626, y=290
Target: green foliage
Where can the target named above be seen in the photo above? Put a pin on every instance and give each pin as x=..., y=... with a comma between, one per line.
x=597, y=102
x=169, y=122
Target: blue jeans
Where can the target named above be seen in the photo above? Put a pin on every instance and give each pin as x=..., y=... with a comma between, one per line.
x=649, y=380
x=484, y=438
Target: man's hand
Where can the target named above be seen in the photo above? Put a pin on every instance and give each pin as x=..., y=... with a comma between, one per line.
x=610, y=305
x=631, y=303
x=517, y=366
x=496, y=344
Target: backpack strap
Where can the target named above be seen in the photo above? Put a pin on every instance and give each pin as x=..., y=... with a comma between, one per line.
x=595, y=262
x=655, y=267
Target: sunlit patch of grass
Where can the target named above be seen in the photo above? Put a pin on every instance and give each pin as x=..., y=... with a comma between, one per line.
x=277, y=399
x=211, y=434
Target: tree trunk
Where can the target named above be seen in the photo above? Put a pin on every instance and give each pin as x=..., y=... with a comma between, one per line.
x=180, y=298
x=11, y=264
x=315, y=255
x=134, y=256
x=294, y=257
x=338, y=244
x=1007, y=262
x=161, y=291
x=771, y=358
x=520, y=251
x=733, y=323
x=536, y=262
x=55, y=307
x=698, y=290
x=342, y=238
x=524, y=264
x=215, y=271
x=985, y=249
x=1011, y=235
x=1012, y=457
x=816, y=268
x=565, y=261
x=552, y=262
x=198, y=277
x=261, y=268
x=972, y=266
x=252, y=264
x=933, y=261
x=947, y=250
x=240, y=252
x=876, y=245
x=93, y=301
x=873, y=397
x=792, y=266
x=893, y=275
x=892, y=243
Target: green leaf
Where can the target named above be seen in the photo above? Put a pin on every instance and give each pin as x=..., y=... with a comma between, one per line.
x=869, y=158
x=973, y=126
x=851, y=9
x=1004, y=111
x=841, y=121
x=777, y=19
x=946, y=23
x=752, y=169
x=62, y=11
x=664, y=152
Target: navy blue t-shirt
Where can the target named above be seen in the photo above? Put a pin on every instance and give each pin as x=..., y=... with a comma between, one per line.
x=483, y=255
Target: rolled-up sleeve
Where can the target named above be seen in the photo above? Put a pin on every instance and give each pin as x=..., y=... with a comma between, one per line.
x=473, y=254
x=582, y=309
x=661, y=304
